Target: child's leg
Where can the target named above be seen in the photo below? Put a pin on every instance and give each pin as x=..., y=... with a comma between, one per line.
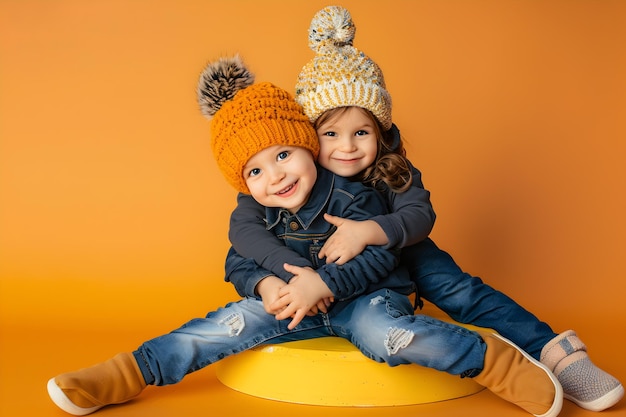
x=200, y=342
x=168, y=358
x=468, y=300
x=383, y=327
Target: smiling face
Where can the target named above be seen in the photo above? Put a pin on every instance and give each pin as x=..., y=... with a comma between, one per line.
x=281, y=176
x=348, y=142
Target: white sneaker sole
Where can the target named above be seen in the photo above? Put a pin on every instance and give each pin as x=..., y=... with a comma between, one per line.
x=606, y=401
x=60, y=399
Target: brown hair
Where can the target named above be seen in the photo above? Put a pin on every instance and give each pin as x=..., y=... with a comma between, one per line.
x=391, y=167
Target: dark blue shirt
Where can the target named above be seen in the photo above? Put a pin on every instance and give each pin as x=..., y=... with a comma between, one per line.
x=305, y=233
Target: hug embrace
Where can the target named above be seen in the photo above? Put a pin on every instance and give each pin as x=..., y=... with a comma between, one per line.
x=330, y=238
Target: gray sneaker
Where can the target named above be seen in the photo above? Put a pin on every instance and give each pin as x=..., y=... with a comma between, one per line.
x=583, y=382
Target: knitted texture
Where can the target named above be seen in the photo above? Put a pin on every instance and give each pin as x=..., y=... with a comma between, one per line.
x=572, y=377
x=583, y=382
x=246, y=119
x=340, y=75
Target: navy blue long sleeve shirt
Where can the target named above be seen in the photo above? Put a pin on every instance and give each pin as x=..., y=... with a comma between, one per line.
x=271, y=237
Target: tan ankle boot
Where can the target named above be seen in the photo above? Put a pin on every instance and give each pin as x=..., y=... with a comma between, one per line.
x=82, y=392
x=515, y=376
x=583, y=382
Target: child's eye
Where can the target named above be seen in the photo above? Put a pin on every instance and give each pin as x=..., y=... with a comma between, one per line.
x=362, y=133
x=282, y=155
x=254, y=172
x=330, y=134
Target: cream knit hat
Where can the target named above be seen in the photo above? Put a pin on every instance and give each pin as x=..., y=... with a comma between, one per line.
x=340, y=75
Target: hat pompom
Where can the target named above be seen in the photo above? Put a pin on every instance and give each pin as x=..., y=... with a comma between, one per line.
x=220, y=81
x=332, y=25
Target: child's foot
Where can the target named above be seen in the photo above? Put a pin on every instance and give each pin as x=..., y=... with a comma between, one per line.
x=583, y=382
x=515, y=376
x=114, y=381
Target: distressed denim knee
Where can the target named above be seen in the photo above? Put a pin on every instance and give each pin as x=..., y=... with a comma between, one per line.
x=383, y=327
x=232, y=329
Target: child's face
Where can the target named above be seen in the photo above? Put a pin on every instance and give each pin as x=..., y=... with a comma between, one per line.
x=348, y=142
x=281, y=176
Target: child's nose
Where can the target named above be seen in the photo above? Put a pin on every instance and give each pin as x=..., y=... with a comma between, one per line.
x=277, y=175
x=346, y=145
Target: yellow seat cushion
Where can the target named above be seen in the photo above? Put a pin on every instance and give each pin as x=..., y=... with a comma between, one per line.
x=331, y=371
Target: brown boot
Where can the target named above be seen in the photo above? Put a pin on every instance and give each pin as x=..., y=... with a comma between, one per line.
x=515, y=376
x=114, y=381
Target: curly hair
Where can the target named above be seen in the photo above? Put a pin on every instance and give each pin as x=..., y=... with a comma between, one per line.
x=391, y=168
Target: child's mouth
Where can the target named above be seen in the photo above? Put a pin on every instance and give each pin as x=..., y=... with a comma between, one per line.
x=287, y=190
x=347, y=160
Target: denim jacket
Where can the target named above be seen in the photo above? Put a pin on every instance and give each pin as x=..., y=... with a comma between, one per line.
x=305, y=233
x=410, y=220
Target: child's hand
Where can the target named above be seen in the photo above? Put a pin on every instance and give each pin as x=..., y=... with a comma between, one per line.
x=268, y=289
x=350, y=238
x=321, y=306
x=303, y=293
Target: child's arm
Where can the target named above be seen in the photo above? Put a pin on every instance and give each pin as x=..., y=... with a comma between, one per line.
x=350, y=238
x=245, y=274
x=411, y=215
x=251, y=280
x=372, y=266
x=411, y=221
x=250, y=238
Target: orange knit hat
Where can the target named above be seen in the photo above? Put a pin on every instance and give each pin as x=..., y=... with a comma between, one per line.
x=247, y=118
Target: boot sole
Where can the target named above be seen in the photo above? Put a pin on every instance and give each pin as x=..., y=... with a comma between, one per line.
x=60, y=399
x=606, y=401
x=558, y=390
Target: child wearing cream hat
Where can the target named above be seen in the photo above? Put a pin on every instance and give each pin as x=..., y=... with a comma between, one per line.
x=341, y=78
x=265, y=145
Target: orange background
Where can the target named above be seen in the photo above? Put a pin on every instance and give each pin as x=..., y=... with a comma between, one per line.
x=113, y=215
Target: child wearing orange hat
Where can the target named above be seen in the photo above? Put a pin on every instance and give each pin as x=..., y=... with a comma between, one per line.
x=265, y=146
x=339, y=84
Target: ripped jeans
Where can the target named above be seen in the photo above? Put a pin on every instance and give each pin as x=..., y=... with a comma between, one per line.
x=467, y=299
x=381, y=324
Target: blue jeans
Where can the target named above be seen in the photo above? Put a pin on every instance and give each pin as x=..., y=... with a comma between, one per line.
x=381, y=324
x=467, y=299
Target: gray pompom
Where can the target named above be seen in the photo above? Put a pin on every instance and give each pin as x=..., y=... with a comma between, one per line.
x=220, y=81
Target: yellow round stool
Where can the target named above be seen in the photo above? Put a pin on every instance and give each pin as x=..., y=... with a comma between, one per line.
x=331, y=371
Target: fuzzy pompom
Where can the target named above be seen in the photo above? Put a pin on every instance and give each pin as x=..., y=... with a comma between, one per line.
x=220, y=81
x=334, y=24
